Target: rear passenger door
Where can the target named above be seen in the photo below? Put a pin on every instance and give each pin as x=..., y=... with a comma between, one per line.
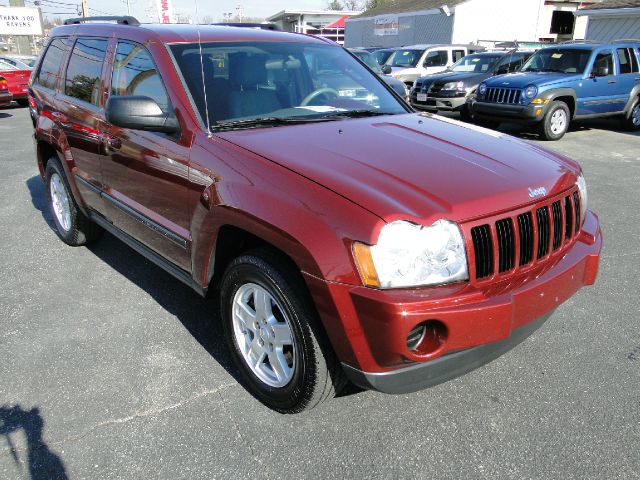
x=145, y=174
x=629, y=75
x=79, y=111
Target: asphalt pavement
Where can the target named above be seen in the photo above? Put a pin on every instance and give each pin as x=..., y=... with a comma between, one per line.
x=110, y=368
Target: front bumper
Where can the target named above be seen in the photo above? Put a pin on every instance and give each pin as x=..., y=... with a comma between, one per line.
x=482, y=322
x=433, y=104
x=527, y=114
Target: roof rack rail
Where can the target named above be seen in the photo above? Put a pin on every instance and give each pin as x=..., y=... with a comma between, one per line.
x=628, y=40
x=124, y=20
x=569, y=42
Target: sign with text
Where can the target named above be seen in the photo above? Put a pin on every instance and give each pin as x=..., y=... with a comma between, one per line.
x=20, y=21
x=165, y=11
x=386, y=25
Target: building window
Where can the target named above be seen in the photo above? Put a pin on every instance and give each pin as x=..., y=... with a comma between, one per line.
x=562, y=23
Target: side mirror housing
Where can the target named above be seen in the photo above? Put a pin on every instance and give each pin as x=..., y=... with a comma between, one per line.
x=386, y=69
x=601, y=71
x=139, y=113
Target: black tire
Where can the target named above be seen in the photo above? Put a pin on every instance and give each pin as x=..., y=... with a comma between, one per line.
x=466, y=115
x=631, y=120
x=549, y=129
x=23, y=102
x=490, y=124
x=317, y=375
x=81, y=230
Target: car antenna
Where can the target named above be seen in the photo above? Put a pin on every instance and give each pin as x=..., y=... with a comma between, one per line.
x=204, y=86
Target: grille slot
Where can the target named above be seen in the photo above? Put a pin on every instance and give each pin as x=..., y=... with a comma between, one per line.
x=556, y=212
x=483, y=248
x=568, y=215
x=506, y=245
x=576, y=209
x=525, y=230
x=542, y=217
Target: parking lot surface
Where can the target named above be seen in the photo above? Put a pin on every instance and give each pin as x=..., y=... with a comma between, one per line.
x=110, y=368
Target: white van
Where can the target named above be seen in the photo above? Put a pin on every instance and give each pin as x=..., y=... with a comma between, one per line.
x=411, y=62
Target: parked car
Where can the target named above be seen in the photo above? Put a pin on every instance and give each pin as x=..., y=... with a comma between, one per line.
x=21, y=62
x=409, y=63
x=342, y=238
x=18, y=81
x=564, y=83
x=369, y=60
x=5, y=95
x=451, y=90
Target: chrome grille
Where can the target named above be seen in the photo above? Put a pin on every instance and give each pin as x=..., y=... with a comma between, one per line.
x=503, y=95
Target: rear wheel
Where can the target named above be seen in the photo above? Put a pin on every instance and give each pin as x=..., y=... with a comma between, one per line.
x=631, y=120
x=72, y=226
x=274, y=334
x=556, y=122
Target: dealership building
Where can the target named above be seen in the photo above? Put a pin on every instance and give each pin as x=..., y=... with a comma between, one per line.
x=610, y=20
x=409, y=22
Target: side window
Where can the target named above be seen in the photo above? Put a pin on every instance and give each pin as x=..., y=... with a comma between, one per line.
x=604, y=60
x=85, y=69
x=52, y=63
x=628, y=61
x=134, y=73
x=436, y=58
x=457, y=55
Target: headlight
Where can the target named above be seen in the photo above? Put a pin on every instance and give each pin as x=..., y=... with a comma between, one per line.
x=409, y=255
x=453, y=86
x=482, y=89
x=582, y=187
x=531, y=91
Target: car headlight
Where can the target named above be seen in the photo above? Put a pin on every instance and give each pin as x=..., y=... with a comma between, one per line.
x=453, y=86
x=531, y=91
x=582, y=187
x=410, y=255
x=482, y=89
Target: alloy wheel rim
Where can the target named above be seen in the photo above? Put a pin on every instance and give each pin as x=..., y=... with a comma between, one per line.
x=60, y=202
x=558, y=121
x=635, y=115
x=263, y=335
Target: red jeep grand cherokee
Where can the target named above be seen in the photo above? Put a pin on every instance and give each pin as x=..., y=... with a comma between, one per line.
x=345, y=238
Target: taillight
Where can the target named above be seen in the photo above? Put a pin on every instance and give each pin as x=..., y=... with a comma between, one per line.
x=4, y=85
x=32, y=103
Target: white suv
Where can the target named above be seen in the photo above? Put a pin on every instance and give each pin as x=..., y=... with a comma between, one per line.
x=414, y=61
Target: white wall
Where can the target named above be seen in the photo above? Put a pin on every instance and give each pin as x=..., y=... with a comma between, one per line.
x=496, y=20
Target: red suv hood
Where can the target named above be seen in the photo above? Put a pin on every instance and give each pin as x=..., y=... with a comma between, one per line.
x=414, y=167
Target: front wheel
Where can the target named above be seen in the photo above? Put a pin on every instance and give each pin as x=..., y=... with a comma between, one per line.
x=274, y=334
x=556, y=122
x=631, y=120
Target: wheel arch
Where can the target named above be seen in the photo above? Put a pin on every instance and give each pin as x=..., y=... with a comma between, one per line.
x=566, y=95
x=635, y=94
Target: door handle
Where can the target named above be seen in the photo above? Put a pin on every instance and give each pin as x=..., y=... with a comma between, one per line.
x=110, y=143
x=637, y=78
x=60, y=117
x=611, y=81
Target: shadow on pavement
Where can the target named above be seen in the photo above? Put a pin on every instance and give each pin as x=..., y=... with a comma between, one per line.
x=39, y=199
x=5, y=115
x=41, y=461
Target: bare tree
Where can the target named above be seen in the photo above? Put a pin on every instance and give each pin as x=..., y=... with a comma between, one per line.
x=352, y=4
x=334, y=5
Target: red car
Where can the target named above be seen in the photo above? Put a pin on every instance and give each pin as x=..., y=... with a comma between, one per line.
x=5, y=94
x=344, y=237
x=18, y=82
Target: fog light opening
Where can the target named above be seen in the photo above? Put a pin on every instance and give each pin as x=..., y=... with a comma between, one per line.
x=427, y=337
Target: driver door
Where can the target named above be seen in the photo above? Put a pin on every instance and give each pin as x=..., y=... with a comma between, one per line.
x=600, y=93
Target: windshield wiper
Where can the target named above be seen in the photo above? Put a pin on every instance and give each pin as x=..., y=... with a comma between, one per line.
x=355, y=114
x=262, y=122
x=552, y=70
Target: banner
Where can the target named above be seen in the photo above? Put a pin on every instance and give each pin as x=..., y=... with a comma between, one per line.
x=386, y=25
x=20, y=21
x=165, y=11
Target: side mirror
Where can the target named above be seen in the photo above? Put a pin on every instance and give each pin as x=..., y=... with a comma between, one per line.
x=502, y=70
x=139, y=113
x=601, y=71
x=386, y=69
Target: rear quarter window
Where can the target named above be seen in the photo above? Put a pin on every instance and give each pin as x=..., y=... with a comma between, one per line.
x=85, y=69
x=51, y=66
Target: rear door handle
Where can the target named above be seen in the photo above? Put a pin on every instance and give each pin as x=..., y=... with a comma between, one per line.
x=60, y=117
x=611, y=81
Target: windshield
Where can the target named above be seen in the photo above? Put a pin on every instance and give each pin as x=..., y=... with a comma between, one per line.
x=276, y=81
x=562, y=60
x=369, y=61
x=405, y=58
x=382, y=56
x=475, y=63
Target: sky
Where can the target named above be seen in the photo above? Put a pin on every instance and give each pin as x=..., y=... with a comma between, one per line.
x=213, y=8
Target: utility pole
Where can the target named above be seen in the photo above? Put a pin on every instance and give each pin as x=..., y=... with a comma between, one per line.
x=23, y=44
x=129, y=7
x=85, y=8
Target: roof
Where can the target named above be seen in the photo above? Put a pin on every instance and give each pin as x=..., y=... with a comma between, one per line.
x=613, y=4
x=403, y=6
x=338, y=23
x=183, y=33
